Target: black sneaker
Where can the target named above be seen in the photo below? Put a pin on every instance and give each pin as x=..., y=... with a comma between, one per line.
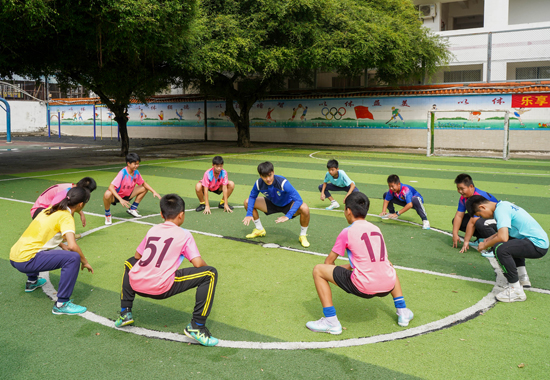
x=221, y=205
x=200, y=208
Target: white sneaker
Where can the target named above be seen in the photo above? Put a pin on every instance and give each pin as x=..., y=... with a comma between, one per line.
x=404, y=319
x=322, y=325
x=426, y=225
x=510, y=294
x=332, y=206
x=108, y=220
x=134, y=213
x=524, y=281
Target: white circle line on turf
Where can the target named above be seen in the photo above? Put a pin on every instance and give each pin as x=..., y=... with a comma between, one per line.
x=423, y=168
x=480, y=307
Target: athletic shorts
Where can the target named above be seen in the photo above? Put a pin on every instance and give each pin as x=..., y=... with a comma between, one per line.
x=342, y=277
x=37, y=211
x=218, y=191
x=273, y=208
x=127, y=198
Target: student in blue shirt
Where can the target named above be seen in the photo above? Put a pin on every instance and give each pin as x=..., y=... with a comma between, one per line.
x=335, y=180
x=519, y=237
x=279, y=196
x=406, y=196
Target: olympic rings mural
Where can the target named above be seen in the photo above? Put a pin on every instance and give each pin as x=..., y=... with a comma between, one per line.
x=334, y=113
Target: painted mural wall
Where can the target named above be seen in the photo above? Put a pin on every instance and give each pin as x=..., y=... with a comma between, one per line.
x=328, y=120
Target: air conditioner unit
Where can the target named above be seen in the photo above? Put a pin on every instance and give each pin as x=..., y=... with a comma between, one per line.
x=426, y=10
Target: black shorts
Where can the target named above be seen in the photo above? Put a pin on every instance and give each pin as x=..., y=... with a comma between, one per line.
x=127, y=198
x=37, y=211
x=273, y=208
x=218, y=191
x=342, y=277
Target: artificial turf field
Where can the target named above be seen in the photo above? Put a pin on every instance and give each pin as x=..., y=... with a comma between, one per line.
x=267, y=295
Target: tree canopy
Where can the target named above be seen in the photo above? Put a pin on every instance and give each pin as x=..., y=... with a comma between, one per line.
x=248, y=48
x=119, y=49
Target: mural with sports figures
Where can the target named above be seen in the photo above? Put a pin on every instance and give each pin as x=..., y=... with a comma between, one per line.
x=527, y=111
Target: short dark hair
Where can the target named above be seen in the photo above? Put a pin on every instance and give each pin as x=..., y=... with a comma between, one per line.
x=332, y=164
x=88, y=183
x=472, y=204
x=132, y=157
x=394, y=178
x=265, y=169
x=171, y=205
x=358, y=203
x=464, y=179
x=218, y=160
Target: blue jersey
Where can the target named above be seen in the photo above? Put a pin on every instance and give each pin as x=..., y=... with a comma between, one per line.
x=280, y=193
x=462, y=201
x=406, y=194
x=342, y=181
x=520, y=224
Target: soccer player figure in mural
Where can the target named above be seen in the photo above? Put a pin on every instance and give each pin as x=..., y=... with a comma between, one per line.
x=519, y=237
x=368, y=274
x=198, y=114
x=180, y=115
x=394, y=114
x=303, y=117
x=268, y=116
x=518, y=113
x=279, y=197
x=468, y=223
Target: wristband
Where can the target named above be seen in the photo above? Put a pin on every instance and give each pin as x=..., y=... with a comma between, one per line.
x=397, y=213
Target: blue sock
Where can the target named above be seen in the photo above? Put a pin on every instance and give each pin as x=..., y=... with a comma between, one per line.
x=134, y=206
x=125, y=309
x=399, y=302
x=108, y=212
x=329, y=311
x=199, y=324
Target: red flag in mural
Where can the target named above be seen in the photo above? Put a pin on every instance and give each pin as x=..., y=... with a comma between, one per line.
x=362, y=112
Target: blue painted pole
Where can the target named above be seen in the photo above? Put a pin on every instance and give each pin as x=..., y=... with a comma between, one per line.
x=59, y=123
x=94, y=120
x=8, y=119
x=49, y=123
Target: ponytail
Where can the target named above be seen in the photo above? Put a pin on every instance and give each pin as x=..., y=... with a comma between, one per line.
x=75, y=196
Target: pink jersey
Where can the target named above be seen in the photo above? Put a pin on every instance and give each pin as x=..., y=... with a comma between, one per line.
x=45, y=199
x=162, y=251
x=209, y=179
x=125, y=183
x=365, y=247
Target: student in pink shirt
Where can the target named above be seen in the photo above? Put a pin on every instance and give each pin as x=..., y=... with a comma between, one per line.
x=369, y=272
x=127, y=184
x=153, y=271
x=214, y=180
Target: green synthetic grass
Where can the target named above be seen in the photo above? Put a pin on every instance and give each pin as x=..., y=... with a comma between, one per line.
x=268, y=294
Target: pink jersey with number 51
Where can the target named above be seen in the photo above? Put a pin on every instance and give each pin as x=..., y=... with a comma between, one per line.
x=162, y=251
x=366, y=250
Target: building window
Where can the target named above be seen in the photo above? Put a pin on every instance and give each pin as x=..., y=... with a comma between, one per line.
x=540, y=72
x=462, y=76
x=343, y=82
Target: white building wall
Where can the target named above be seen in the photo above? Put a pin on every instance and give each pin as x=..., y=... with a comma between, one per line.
x=528, y=11
x=26, y=116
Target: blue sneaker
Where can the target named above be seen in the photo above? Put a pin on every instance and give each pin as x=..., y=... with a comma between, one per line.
x=322, y=325
x=404, y=319
x=475, y=244
x=489, y=253
x=200, y=334
x=125, y=319
x=32, y=286
x=68, y=308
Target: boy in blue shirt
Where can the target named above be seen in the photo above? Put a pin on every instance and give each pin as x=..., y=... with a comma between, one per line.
x=335, y=180
x=519, y=237
x=279, y=196
x=471, y=225
x=406, y=196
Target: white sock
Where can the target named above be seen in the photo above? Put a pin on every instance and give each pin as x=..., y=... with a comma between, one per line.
x=333, y=321
x=258, y=224
x=59, y=304
x=516, y=286
x=303, y=231
x=333, y=201
x=401, y=310
x=522, y=271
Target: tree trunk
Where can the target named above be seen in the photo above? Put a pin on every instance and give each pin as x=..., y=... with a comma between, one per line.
x=121, y=117
x=243, y=133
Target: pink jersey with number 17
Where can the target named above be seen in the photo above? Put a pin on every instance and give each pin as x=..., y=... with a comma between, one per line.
x=366, y=250
x=162, y=251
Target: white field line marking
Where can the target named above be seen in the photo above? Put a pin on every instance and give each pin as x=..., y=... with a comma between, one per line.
x=426, y=168
x=480, y=307
x=150, y=164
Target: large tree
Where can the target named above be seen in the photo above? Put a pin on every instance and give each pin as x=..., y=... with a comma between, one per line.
x=249, y=48
x=119, y=49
